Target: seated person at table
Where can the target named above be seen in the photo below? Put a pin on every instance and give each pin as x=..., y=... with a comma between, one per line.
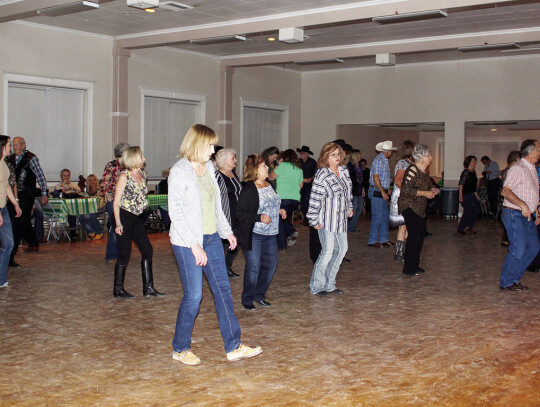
x=90, y=222
x=68, y=189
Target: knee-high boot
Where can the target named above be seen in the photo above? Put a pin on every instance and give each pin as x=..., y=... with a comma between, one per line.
x=119, y=275
x=148, y=280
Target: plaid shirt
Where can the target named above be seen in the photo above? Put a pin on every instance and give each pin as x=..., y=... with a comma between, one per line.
x=109, y=178
x=380, y=166
x=522, y=179
x=36, y=169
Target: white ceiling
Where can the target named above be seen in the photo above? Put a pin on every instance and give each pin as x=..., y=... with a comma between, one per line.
x=339, y=28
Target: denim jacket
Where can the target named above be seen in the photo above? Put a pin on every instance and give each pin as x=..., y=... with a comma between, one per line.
x=185, y=206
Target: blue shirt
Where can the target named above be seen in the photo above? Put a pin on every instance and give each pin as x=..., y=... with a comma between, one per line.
x=495, y=171
x=269, y=203
x=380, y=166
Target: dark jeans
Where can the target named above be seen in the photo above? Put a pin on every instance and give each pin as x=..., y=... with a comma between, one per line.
x=111, y=252
x=133, y=231
x=416, y=227
x=230, y=255
x=37, y=214
x=6, y=237
x=285, y=225
x=22, y=226
x=314, y=244
x=192, y=284
x=305, y=193
x=536, y=261
x=261, y=263
x=493, y=188
x=471, y=210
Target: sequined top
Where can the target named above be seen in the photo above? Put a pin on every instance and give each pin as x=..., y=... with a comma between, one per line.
x=414, y=180
x=134, y=197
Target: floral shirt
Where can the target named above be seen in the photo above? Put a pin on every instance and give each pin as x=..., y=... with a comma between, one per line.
x=97, y=194
x=269, y=203
x=134, y=197
x=108, y=180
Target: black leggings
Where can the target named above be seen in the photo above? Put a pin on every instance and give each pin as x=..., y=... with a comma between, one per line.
x=133, y=226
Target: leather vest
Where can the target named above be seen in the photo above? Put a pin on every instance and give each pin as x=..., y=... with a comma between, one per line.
x=25, y=177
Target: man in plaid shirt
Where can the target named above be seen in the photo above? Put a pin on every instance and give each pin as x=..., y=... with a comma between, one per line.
x=520, y=192
x=108, y=184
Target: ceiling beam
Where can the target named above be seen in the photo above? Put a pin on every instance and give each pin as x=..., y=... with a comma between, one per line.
x=28, y=8
x=328, y=15
x=423, y=44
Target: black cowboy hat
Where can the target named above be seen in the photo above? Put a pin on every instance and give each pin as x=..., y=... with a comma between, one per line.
x=305, y=149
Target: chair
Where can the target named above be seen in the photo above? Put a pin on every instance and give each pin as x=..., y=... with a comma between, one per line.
x=55, y=219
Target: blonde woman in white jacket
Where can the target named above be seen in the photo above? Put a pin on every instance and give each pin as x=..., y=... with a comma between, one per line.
x=197, y=226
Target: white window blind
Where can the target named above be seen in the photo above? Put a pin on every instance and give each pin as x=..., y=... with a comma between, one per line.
x=51, y=121
x=166, y=122
x=262, y=128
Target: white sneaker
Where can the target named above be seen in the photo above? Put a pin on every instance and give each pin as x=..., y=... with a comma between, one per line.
x=291, y=242
x=5, y=285
x=295, y=234
x=187, y=357
x=243, y=351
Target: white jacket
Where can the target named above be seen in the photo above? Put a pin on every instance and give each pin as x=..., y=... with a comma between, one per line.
x=185, y=206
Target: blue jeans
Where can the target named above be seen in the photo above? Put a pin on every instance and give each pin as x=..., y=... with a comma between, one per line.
x=261, y=263
x=6, y=238
x=333, y=249
x=523, y=248
x=218, y=280
x=471, y=210
x=380, y=214
x=91, y=224
x=285, y=225
x=111, y=252
x=37, y=214
x=358, y=205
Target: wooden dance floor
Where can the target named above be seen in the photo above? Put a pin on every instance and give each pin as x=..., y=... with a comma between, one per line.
x=449, y=337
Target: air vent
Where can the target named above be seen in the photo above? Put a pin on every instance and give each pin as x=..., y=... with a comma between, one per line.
x=174, y=6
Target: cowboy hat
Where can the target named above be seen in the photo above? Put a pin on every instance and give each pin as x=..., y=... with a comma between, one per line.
x=385, y=146
x=304, y=149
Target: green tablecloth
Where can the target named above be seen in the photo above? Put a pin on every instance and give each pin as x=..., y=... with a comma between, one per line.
x=64, y=207
x=158, y=200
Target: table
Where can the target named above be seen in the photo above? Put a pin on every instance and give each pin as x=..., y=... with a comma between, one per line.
x=78, y=206
x=158, y=200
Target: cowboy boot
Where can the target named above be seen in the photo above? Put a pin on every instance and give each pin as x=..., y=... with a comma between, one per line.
x=399, y=250
x=119, y=275
x=148, y=280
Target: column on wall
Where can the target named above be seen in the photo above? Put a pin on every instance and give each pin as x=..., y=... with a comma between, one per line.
x=225, y=105
x=120, y=96
x=454, y=151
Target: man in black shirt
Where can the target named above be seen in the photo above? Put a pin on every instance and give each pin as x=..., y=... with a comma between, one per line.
x=309, y=168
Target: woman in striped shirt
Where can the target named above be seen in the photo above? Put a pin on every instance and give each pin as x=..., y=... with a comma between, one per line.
x=330, y=206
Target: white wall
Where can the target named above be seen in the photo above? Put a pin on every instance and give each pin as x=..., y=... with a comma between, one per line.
x=35, y=51
x=456, y=92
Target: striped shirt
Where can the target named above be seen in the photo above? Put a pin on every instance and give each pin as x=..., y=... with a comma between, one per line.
x=330, y=200
x=522, y=179
x=380, y=166
x=229, y=189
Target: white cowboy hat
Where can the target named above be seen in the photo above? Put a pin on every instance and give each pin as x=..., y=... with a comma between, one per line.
x=385, y=146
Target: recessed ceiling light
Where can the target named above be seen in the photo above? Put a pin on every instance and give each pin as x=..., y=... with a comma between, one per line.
x=494, y=129
x=271, y=38
x=150, y=10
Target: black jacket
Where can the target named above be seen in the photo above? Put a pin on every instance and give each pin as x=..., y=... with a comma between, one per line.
x=246, y=213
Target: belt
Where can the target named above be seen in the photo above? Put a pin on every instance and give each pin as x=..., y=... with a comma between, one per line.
x=512, y=209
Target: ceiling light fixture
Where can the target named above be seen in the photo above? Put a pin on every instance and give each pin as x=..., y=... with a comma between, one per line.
x=319, y=61
x=150, y=10
x=143, y=4
x=405, y=18
x=489, y=47
x=271, y=38
x=70, y=8
x=218, y=40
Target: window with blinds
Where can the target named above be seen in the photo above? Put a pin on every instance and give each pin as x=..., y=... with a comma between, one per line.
x=51, y=120
x=262, y=128
x=166, y=122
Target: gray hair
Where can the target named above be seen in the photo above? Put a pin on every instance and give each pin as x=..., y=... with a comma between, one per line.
x=119, y=149
x=527, y=146
x=420, y=151
x=222, y=155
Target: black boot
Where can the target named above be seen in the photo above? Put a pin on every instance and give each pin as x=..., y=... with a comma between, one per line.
x=232, y=274
x=148, y=280
x=119, y=275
